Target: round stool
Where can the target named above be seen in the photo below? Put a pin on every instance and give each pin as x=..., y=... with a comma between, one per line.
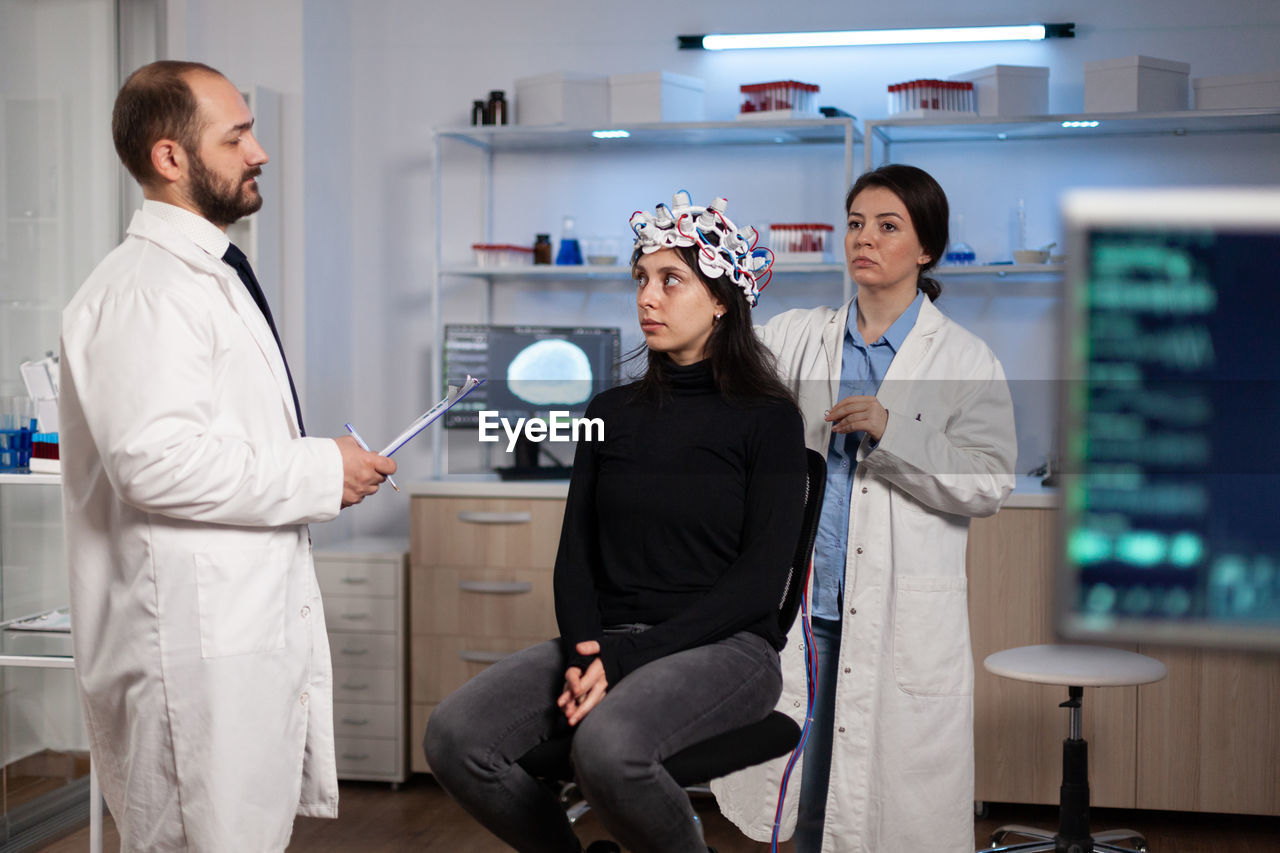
x=1074, y=667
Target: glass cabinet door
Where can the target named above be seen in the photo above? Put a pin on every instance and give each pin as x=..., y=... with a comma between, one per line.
x=59, y=215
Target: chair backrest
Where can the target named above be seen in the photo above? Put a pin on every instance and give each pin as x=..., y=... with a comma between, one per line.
x=798, y=577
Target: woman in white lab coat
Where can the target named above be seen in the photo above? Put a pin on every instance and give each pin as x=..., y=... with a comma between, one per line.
x=930, y=445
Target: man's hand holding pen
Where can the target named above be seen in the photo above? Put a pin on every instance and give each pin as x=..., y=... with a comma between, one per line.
x=362, y=471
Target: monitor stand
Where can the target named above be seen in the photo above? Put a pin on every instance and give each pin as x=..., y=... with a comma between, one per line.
x=527, y=467
x=535, y=472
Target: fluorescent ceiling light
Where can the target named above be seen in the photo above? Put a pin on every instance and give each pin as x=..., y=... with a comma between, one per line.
x=610, y=134
x=1080, y=123
x=853, y=38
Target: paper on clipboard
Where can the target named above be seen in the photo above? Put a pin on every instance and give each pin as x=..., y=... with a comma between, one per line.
x=455, y=393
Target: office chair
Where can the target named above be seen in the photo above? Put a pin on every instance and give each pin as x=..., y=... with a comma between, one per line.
x=692, y=767
x=1074, y=667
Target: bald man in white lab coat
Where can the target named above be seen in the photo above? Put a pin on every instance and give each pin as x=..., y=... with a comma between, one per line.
x=188, y=485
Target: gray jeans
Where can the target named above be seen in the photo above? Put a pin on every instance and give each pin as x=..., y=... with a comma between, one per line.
x=476, y=735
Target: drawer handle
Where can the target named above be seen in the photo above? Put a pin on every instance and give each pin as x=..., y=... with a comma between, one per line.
x=364, y=686
x=355, y=581
x=351, y=756
x=479, y=517
x=355, y=652
x=496, y=587
x=475, y=656
x=357, y=617
x=347, y=721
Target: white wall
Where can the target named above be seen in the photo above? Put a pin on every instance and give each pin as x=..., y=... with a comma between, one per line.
x=260, y=44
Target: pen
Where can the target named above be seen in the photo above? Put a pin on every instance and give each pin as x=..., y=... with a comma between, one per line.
x=360, y=440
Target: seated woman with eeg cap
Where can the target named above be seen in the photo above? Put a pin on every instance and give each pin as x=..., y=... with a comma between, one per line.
x=678, y=536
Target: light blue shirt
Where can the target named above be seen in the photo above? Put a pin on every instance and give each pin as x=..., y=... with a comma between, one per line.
x=862, y=368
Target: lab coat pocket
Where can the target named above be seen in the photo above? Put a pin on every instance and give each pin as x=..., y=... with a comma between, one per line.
x=930, y=629
x=241, y=596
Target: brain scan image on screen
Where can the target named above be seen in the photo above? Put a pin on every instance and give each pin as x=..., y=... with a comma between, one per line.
x=550, y=372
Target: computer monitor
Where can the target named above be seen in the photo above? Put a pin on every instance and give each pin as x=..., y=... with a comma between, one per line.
x=1170, y=522
x=529, y=372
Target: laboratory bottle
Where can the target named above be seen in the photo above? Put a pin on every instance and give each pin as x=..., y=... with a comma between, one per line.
x=570, y=252
x=478, y=112
x=497, y=107
x=542, y=249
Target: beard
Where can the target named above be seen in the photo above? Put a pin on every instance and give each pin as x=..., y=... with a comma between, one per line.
x=223, y=203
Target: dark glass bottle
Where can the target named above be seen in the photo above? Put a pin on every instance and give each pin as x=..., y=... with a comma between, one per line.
x=478, y=109
x=542, y=249
x=497, y=107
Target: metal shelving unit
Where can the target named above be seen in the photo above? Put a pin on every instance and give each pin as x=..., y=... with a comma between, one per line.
x=496, y=140
x=42, y=640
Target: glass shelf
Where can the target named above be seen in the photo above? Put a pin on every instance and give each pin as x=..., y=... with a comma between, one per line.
x=31, y=645
x=781, y=132
x=1000, y=270
x=611, y=272
x=10, y=478
x=620, y=272
x=988, y=129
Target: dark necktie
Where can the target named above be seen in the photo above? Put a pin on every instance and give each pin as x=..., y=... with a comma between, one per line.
x=240, y=264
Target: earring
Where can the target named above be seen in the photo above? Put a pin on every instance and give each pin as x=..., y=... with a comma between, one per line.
x=718, y=316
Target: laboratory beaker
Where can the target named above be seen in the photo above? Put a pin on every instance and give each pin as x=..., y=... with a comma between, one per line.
x=570, y=252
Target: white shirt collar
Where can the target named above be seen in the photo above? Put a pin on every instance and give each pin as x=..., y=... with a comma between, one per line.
x=194, y=227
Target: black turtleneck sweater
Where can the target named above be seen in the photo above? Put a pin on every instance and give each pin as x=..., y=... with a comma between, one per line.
x=684, y=517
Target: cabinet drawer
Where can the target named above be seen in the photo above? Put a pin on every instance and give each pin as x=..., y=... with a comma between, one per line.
x=483, y=602
x=367, y=756
x=361, y=650
x=361, y=613
x=495, y=532
x=364, y=685
x=362, y=719
x=443, y=664
x=354, y=577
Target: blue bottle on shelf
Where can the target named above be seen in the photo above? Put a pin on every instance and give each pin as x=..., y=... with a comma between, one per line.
x=570, y=252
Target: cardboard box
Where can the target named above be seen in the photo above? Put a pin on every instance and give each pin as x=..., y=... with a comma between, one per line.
x=1135, y=84
x=656, y=96
x=1010, y=90
x=563, y=97
x=1237, y=91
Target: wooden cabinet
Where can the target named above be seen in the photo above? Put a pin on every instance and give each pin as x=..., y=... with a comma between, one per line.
x=1209, y=734
x=480, y=581
x=363, y=583
x=1204, y=739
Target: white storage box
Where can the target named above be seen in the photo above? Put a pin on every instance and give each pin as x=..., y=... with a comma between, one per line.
x=1237, y=91
x=1010, y=90
x=656, y=96
x=1135, y=84
x=563, y=97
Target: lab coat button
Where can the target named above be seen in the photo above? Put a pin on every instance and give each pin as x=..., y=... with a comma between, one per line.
x=858, y=550
x=847, y=670
x=853, y=611
x=306, y=611
x=303, y=698
x=864, y=490
x=797, y=703
x=842, y=730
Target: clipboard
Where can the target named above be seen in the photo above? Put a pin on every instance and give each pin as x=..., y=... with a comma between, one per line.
x=451, y=398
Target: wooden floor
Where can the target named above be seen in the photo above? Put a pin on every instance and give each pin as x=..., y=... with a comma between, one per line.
x=421, y=817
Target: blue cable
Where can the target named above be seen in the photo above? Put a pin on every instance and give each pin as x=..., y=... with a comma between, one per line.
x=811, y=677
